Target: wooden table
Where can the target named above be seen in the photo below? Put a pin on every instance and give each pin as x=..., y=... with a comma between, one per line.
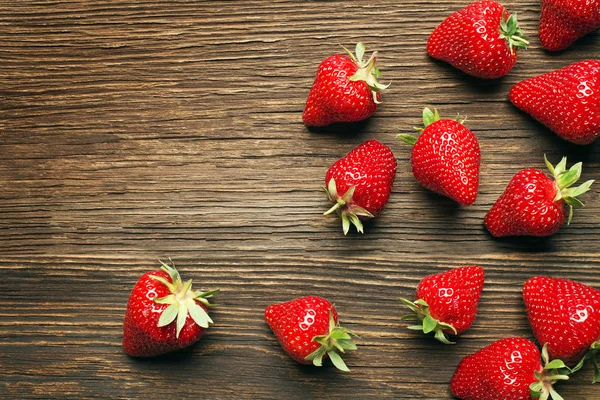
x=134, y=131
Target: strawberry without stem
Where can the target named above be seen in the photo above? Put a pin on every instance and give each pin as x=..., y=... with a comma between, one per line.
x=360, y=183
x=533, y=204
x=445, y=158
x=508, y=369
x=565, y=315
x=480, y=39
x=564, y=21
x=446, y=303
x=566, y=100
x=346, y=89
x=164, y=314
x=308, y=330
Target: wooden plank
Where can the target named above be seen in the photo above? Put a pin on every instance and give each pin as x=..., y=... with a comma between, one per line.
x=139, y=130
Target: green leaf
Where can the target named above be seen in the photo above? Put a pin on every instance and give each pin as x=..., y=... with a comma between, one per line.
x=560, y=167
x=408, y=139
x=337, y=361
x=409, y=317
x=345, y=223
x=169, y=299
x=356, y=222
x=555, y=364
x=338, y=334
x=549, y=166
x=567, y=178
x=360, y=211
x=347, y=344
x=441, y=336
x=429, y=324
x=332, y=189
x=360, y=51
x=415, y=327
x=168, y=315
x=198, y=314
x=421, y=302
x=181, y=317
x=428, y=117
x=581, y=189
x=555, y=395
x=347, y=197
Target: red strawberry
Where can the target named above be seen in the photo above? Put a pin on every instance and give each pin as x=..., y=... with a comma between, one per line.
x=479, y=39
x=156, y=301
x=446, y=303
x=446, y=157
x=359, y=184
x=533, y=204
x=566, y=100
x=565, y=315
x=564, y=21
x=508, y=369
x=345, y=89
x=308, y=330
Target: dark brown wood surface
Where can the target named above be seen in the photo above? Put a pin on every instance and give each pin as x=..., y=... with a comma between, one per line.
x=133, y=131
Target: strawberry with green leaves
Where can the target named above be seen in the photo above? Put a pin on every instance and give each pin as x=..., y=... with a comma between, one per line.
x=308, y=330
x=446, y=303
x=481, y=40
x=508, y=369
x=534, y=204
x=566, y=315
x=346, y=89
x=566, y=100
x=164, y=314
x=446, y=158
x=360, y=183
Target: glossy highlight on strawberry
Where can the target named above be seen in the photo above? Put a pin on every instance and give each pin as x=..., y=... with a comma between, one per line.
x=307, y=329
x=562, y=22
x=164, y=314
x=360, y=183
x=480, y=40
x=346, y=89
x=534, y=204
x=446, y=303
x=565, y=315
x=566, y=100
x=445, y=158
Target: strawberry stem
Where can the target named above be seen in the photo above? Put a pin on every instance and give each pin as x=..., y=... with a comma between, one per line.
x=552, y=372
x=427, y=324
x=510, y=30
x=343, y=207
x=564, y=178
x=182, y=300
x=367, y=71
x=337, y=340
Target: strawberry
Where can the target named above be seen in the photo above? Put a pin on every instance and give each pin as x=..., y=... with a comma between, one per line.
x=508, y=369
x=346, y=89
x=308, y=330
x=565, y=315
x=564, y=21
x=359, y=184
x=533, y=204
x=156, y=301
x=479, y=39
x=446, y=157
x=446, y=303
x=566, y=100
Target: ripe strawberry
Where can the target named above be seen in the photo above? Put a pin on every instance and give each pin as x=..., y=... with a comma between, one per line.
x=346, y=89
x=566, y=100
x=446, y=157
x=508, y=369
x=533, y=204
x=446, y=303
x=156, y=301
x=564, y=21
x=565, y=315
x=479, y=39
x=359, y=184
x=308, y=330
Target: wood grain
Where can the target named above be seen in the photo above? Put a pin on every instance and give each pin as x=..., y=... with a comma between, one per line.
x=139, y=130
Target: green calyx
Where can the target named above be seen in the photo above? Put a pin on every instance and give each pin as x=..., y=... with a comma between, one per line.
x=429, y=117
x=554, y=371
x=345, y=209
x=182, y=300
x=367, y=71
x=425, y=322
x=565, y=178
x=510, y=30
x=590, y=355
x=337, y=340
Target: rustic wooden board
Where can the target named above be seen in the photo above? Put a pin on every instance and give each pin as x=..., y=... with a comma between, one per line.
x=139, y=130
